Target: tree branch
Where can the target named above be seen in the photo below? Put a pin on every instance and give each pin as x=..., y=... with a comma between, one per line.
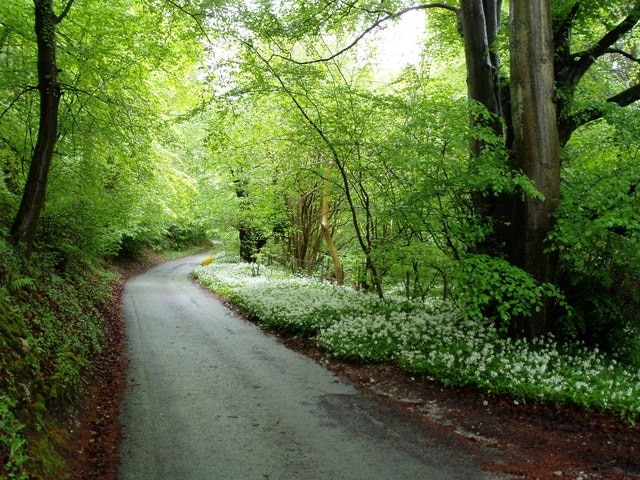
x=325, y=139
x=627, y=97
x=623, y=53
x=64, y=12
x=614, y=35
x=622, y=99
x=193, y=16
x=582, y=61
x=388, y=16
x=17, y=97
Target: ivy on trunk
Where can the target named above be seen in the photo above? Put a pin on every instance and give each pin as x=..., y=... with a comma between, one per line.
x=33, y=197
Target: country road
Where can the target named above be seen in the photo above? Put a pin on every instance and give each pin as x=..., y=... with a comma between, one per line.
x=209, y=396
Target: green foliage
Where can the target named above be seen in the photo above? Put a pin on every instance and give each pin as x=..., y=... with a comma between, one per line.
x=402, y=148
x=118, y=170
x=592, y=20
x=394, y=158
x=492, y=287
x=491, y=171
x=597, y=235
x=13, y=454
x=50, y=328
x=423, y=270
x=150, y=157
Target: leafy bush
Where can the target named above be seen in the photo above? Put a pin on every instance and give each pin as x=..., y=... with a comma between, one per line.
x=597, y=235
x=493, y=288
x=180, y=236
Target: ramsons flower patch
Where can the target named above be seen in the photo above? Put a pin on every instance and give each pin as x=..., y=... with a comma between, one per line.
x=429, y=339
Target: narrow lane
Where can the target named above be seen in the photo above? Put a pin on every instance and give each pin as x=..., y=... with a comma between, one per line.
x=209, y=396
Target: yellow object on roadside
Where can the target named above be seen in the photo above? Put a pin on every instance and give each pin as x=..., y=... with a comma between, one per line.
x=206, y=261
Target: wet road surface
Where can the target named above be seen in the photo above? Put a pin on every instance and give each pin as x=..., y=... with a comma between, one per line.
x=209, y=396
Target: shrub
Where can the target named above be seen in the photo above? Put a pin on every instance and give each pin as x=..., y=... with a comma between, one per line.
x=495, y=289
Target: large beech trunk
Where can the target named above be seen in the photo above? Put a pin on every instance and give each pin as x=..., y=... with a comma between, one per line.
x=480, y=24
x=526, y=120
x=537, y=146
x=479, y=27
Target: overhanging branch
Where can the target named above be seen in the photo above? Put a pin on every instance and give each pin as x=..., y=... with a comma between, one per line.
x=192, y=15
x=325, y=140
x=622, y=99
x=387, y=16
x=626, y=97
x=582, y=61
x=17, y=97
x=627, y=55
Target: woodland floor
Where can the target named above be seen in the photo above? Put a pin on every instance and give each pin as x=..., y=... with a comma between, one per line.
x=525, y=441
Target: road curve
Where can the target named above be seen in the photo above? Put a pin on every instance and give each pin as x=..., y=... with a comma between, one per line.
x=211, y=397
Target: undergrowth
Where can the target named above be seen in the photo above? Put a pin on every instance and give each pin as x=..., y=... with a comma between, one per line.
x=50, y=328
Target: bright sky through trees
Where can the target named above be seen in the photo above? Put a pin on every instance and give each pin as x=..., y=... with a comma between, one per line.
x=399, y=44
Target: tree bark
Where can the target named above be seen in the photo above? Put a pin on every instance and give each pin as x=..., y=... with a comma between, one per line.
x=33, y=198
x=537, y=146
x=480, y=23
x=324, y=223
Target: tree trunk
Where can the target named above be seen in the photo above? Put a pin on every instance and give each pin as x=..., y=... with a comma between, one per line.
x=535, y=124
x=479, y=27
x=537, y=146
x=26, y=221
x=480, y=23
x=324, y=223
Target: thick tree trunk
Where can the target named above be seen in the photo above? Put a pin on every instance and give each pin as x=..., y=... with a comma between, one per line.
x=526, y=120
x=26, y=221
x=537, y=146
x=536, y=128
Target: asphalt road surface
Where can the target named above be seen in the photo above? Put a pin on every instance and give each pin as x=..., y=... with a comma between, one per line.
x=211, y=397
